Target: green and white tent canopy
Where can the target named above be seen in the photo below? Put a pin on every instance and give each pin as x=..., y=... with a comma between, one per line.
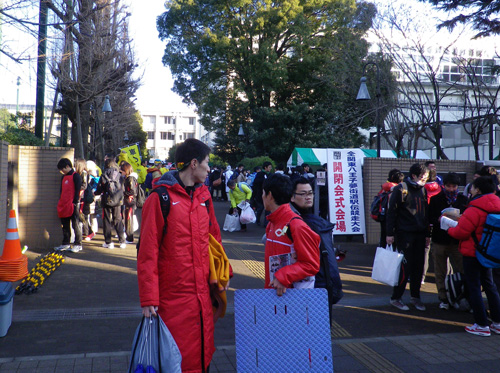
x=317, y=156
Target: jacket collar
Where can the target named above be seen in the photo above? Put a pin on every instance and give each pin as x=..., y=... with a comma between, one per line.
x=278, y=214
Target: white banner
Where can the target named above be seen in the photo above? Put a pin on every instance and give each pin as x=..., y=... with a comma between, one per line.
x=345, y=190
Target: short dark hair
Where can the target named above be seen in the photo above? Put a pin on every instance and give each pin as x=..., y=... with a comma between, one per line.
x=487, y=170
x=451, y=178
x=302, y=181
x=418, y=169
x=191, y=149
x=241, y=165
x=395, y=176
x=280, y=167
x=63, y=162
x=280, y=186
x=266, y=164
x=485, y=184
x=305, y=165
x=231, y=183
x=427, y=163
x=257, y=168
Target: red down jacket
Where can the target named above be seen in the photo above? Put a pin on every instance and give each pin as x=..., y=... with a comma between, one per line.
x=472, y=222
x=305, y=242
x=175, y=277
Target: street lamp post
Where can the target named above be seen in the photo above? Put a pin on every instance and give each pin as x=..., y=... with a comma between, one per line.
x=106, y=108
x=364, y=95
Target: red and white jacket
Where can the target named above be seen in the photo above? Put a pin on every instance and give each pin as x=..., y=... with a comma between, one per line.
x=173, y=269
x=305, y=241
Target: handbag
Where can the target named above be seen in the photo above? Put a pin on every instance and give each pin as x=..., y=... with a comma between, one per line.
x=247, y=214
x=154, y=348
x=387, y=265
x=232, y=223
x=217, y=182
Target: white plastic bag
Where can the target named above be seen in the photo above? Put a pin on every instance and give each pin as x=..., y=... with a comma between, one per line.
x=232, y=223
x=155, y=347
x=247, y=214
x=387, y=265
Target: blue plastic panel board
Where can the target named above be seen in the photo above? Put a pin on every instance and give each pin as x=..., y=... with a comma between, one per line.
x=282, y=334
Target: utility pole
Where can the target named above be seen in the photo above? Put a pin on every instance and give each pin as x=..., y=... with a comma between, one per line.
x=17, y=100
x=40, y=74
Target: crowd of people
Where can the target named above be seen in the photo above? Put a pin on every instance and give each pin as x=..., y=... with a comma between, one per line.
x=178, y=225
x=416, y=206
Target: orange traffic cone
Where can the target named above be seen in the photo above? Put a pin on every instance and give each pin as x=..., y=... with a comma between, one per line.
x=12, y=246
x=13, y=264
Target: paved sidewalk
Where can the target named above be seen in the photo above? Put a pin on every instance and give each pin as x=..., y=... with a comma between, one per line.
x=84, y=317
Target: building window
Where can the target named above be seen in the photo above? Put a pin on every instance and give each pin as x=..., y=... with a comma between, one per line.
x=192, y=121
x=151, y=135
x=151, y=119
x=188, y=135
x=169, y=120
x=163, y=135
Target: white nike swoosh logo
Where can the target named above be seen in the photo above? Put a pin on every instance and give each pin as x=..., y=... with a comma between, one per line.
x=175, y=203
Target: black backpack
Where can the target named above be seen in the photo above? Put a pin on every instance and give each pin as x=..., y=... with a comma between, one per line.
x=456, y=291
x=328, y=276
x=141, y=197
x=88, y=195
x=164, y=198
x=113, y=190
x=379, y=206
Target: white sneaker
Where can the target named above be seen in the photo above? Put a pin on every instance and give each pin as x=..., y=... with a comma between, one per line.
x=62, y=248
x=483, y=331
x=129, y=242
x=76, y=248
x=108, y=245
x=123, y=245
x=398, y=303
x=444, y=306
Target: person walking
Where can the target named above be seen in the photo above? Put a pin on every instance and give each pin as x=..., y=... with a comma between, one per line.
x=68, y=207
x=469, y=231
x=173, y=259
x=444, y=247
x=408, y=228
x=111, y=188
x=394, y=178
x=130, y=190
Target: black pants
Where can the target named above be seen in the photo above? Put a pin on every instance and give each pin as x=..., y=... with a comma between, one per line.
x=112, y=218
x=412, y=245
x=477, y=276
x=66, y=228
x=383, y=234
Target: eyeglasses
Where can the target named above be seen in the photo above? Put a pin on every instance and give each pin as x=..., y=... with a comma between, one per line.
x=305, y=194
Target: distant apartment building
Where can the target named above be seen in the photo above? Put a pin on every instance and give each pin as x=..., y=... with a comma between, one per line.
x=166, y=129
x=459, y=105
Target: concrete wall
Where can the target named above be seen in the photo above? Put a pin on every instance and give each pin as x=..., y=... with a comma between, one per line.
x=34, y=183
x=375, y=171
x=4, y=209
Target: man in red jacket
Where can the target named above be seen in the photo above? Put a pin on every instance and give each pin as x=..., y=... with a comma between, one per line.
x=68, y=207
x=173, y=267
x=288, y=262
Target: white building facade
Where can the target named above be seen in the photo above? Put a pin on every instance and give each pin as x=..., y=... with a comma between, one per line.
x=451, y=63
x=166, y=129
